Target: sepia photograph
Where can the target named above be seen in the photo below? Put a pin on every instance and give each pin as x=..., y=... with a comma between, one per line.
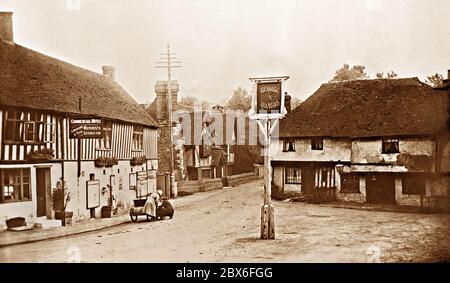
x=224, y=132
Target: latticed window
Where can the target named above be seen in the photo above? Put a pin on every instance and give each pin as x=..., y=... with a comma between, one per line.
x=23, y=127
x=317, y=144
x=288, y=145
x=293, y=175
x=138, y=138
x=390, y=146
x=15, y=185
x=105, y=141
x=49, y=133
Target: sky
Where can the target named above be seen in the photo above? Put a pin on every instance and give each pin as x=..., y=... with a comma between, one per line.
x=222, y=43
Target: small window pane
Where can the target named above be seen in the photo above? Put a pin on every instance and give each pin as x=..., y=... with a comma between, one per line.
x=293, y=175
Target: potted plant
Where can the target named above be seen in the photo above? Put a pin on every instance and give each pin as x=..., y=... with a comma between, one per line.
x=61, y=198
x=137, y=161
x=100, y=162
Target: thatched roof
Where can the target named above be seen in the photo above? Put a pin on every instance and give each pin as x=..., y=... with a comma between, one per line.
x=369, y=108
x=33, y=80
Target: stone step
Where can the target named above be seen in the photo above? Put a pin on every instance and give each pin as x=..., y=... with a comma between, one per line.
x=44, y=223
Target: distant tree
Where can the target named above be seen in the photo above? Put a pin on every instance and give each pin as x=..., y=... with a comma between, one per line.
x=389, y=75
x=240, y=100
x=192, y=101
x=295, y=102
x=347, y=74
x=436, y=80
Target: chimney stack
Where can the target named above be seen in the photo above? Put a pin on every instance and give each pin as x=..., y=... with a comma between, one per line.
x=287, y=102
x=109, y=71
x=6, y=26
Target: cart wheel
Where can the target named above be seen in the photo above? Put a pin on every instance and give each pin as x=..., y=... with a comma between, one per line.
x=135, y=217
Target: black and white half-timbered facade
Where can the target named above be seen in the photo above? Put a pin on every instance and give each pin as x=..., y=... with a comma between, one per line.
x=39, y=99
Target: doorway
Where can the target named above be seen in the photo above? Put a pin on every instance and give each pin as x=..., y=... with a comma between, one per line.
x=308, y=180
x=380, y=188
x=43, y=190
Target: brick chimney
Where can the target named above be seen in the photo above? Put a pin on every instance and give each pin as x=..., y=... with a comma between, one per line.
x=109, y=71
x=287, y=102
x=6, y=26
x=161, y=98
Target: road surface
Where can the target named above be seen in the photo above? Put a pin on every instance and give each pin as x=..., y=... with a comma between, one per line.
x=223, y=226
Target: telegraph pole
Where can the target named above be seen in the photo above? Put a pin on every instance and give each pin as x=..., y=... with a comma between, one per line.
x=168, y=64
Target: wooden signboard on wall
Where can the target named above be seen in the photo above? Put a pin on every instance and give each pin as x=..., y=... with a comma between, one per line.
x=85, y=128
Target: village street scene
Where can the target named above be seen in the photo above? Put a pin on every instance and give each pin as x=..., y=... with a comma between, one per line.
x=211, y=131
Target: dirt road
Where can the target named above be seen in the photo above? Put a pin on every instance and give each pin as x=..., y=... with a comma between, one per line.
x=224, y=227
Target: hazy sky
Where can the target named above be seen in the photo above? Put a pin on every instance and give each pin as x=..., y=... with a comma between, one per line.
x=224, y=42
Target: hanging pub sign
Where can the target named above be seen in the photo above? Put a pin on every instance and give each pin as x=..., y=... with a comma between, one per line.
x=268, y=98
x=85, y=128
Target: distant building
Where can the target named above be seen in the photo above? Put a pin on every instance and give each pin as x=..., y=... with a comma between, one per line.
x=39, y=96
x=203, y=153
x=193, y=159
x=376, y=141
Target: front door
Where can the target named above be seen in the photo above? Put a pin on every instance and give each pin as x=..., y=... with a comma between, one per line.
x=308, y=180
x=43, y=184
x=380, y=188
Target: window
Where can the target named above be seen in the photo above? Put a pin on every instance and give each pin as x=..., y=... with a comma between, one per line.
x=23, y=127
x=49, y=134
x=350, y=183
x=390, y=146
x=138, y=138
x=413, y=184
x=14, y=126
x=105, y=141
x=15, y=185
x=293, y=175
x=30, y=132
x=317, y=143
x=206, y=174
x=288, y=145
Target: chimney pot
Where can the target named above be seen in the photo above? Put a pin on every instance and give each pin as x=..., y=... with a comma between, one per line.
x=6, y=26
x=287, y=102
x=109, y=71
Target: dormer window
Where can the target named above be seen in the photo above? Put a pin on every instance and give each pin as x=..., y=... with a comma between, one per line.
x=390, y=146
x=317, y=143
x=288, y=145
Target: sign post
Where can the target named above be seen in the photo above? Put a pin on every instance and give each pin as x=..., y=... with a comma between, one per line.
x=267, y=108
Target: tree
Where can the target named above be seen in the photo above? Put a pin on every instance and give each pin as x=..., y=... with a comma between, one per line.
x=347, y=74
x=240, y=100
x=193, y=101
x=436, y=80
x=295, y=102
x=389, y=75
